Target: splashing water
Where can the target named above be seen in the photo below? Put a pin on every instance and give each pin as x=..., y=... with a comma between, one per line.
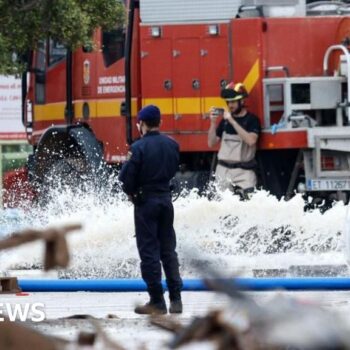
x=233, y=235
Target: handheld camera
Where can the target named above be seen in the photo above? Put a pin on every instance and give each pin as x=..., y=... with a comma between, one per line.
x=218, y=111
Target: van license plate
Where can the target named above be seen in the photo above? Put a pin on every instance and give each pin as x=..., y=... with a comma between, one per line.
x=328, y=185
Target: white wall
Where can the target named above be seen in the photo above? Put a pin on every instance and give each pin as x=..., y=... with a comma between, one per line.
x=10, y=107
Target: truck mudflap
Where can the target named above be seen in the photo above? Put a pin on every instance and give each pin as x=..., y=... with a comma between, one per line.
x=67, y=150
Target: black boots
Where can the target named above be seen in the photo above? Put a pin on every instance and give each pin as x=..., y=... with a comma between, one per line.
x=175, y=306
x=175, y=301
x=156, y=306
x=159, y=307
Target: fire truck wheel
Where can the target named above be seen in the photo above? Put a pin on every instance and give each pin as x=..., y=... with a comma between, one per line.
x=66, y=175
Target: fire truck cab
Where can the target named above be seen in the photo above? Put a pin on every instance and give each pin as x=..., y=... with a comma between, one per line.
x=292, y=57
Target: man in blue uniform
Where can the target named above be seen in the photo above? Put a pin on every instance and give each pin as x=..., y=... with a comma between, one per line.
x=145, y=177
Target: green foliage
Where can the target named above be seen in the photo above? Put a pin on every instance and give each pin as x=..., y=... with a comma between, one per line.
x=24, y=22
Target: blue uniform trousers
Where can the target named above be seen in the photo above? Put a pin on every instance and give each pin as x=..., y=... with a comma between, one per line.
x=156, y=243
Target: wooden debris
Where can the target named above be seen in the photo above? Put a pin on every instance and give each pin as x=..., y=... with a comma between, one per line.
x=211, y=327
x=15, y=336
x=167, y=324
x=109, y=344
x=56, y=253
x=77, y=317
x=29, y=235
x=9, y=285
x=279, y=324
x=86, y=338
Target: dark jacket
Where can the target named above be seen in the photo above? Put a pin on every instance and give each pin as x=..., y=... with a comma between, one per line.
x=154, y=160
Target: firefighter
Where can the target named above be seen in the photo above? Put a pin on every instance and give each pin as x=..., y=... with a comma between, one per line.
x=153, y=162
x=238, y=132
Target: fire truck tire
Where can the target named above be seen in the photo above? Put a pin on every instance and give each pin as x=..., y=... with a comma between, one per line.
x=65, y=175
x=67, y=172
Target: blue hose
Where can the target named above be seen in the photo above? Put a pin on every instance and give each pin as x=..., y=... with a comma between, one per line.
x=137, y=285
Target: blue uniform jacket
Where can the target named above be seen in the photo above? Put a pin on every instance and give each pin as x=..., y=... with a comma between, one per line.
x=153, y=163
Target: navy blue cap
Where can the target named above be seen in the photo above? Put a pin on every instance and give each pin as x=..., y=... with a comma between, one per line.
x=150, y=112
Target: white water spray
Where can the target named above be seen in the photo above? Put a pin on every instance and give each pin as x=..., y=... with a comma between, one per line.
x=231, y=234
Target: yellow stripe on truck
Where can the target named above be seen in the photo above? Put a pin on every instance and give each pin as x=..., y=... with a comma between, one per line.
x=185, y=105
x=106, y=108
x=209, y=102
x=252, y=77
x=188, y=105
x=110, y=108
x=52, y=111
x=165, y=105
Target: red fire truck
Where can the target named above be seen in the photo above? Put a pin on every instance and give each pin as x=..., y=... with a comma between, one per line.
x=293, y=59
